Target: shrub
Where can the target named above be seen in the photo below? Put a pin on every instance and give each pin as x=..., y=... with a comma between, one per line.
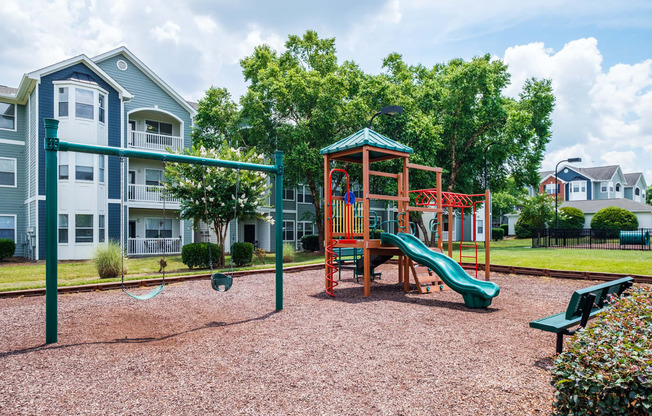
x=606, y=369
x=242, y=253
x=197, y=254
x=310, y=242
x=375, y=234
x=7, y=248
x=570, y=218
x=260, y=254
x=288, y=253
x=107, y=260
x=522, y=230
x=505, y=228
x=614, y=218
x=497, y=234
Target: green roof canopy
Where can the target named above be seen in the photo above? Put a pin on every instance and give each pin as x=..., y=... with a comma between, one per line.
x=366, y=137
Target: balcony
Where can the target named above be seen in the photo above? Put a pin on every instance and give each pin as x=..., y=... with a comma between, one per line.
x=153, y=246
x=150, y=196
x=155, y=142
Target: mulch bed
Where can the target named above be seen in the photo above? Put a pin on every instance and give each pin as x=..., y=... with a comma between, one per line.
x=192, y=351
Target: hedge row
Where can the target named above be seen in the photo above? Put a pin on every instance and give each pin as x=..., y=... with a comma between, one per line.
x=607, y=368
x=198, y=255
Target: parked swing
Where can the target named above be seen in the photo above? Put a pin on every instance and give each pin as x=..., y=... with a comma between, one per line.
x=162, y=262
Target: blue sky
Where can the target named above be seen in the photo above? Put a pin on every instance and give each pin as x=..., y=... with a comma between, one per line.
x=597, y=53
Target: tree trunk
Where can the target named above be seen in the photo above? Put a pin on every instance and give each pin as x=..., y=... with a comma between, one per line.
x=424, y=230
x=220, y=234
x=316, y=201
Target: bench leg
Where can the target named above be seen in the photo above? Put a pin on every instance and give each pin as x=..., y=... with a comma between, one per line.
x=560, y=342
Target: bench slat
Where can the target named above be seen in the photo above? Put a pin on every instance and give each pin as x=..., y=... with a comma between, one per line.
x=602, y=292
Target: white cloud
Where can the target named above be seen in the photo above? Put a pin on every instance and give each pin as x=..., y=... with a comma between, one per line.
x=169, y=31
x=603, y=116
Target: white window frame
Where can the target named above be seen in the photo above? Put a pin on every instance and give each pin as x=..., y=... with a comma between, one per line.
x=14, y=216
x=637, y=191
x=604, y=186
x=92, y=166
x=294, y=193
x=161, y=176
x=303, y=225
x=15, y=118
x=618, y=187
x=305, y=191
x=101, y=107
x=294, y=230
x=101, y=228
x=101, y=168
x=158, y=128
x=550, y=186
x=67, y=228
x=57, y=102
x=159, y=229
x=92, y=227
x=72, y=100
x=15, y=172
x=479, y=226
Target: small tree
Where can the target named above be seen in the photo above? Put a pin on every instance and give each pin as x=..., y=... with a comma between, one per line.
x=209, y=193
x=571, y=218
x=648, y=195
x=537, y=211
x=614, y=218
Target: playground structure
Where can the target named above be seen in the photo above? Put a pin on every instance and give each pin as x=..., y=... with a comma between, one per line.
x=345, y=227
x=53, y=145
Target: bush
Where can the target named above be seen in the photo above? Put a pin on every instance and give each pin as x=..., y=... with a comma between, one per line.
x=7, y=248
x=197, y=254
x=522, y=230
x=570, y=218
x=375, y=234
x=310, y=242
x=497, y=234
x=505, y=228
x=242, y=253
x=107, y=260
x=606, y=369
x=614, y=218
x=288, y=253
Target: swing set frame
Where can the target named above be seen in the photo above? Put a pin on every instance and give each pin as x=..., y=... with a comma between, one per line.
x=53, y=145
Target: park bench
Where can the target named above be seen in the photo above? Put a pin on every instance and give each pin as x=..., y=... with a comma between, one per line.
x=584, y=305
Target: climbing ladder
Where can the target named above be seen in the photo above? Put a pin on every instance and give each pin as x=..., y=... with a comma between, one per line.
x=425, y=279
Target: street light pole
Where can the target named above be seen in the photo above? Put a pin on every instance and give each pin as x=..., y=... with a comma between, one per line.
x=570, y=160
x=390, y=110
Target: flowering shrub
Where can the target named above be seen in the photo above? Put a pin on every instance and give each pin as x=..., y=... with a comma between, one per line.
x=607, y=369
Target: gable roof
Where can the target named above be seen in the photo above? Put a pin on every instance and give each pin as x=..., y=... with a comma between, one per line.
x=140, y=65
x=36, y=75
x=595, y=205
x=600, y=173
x=632, y=178
x=4, y=90
x=366, y=137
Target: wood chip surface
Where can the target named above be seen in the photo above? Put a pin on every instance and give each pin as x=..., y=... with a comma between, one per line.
x=193, y=351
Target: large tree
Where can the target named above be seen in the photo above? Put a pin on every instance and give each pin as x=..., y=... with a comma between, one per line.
x=301, y=101
x=218, y=195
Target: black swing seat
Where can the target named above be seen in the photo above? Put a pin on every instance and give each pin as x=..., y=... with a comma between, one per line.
x=221, y=282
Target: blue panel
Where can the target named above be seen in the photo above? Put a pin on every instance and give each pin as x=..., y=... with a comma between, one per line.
x=114, y=222
x=589, y=190
x=114, y=177
x=46, y=109
x=570, y=176
x=41, y=230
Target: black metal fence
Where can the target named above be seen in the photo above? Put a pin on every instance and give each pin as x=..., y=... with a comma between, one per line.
x=589, y=238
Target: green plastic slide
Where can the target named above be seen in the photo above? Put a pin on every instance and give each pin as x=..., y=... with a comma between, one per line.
x=476, y=293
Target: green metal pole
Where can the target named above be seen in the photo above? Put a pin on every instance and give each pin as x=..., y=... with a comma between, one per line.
x=51, y=248
x=278, y=220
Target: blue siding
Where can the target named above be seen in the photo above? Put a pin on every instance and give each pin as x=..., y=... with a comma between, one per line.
x=46, y=109
x=114, y=222
x=114, y=176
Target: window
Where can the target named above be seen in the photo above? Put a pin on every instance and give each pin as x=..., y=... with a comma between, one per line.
x=84, y=167
x=102, y=99
x=101, y=169
x=603, y=187
x=550, y=188
x=480, y=225
x=288, y=230
x=7, y=171
x=101, y=229
x=63, y=101
x=84, y=103
x=63, y=165
x=157, y=228
x=445, y=225
x=304, y=195
x=288, y=194
x=154, y=177
x=304, y=228
x=611, y=186
x=576, y=187
x=8, y=227
x=63, y=228
x=637, y=191
x=7, y=116
x=158, y=127
x=83, y=228
x=617, y=187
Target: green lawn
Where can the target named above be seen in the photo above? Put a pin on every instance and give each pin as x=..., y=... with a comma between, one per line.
x=510, y=252
x=77, y=273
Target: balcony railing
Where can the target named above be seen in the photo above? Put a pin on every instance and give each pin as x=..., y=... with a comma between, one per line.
x=153, y=246
x=149, y=193
x=151, y=141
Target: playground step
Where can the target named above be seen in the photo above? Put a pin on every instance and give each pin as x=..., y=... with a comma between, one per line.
x=429, y=279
